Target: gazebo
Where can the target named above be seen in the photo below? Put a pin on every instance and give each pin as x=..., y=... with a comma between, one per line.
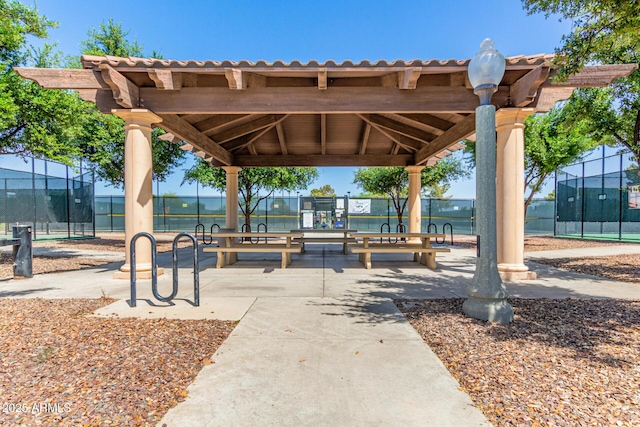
x=247, y=114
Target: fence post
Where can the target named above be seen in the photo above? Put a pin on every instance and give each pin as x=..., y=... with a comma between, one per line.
x=620, y=205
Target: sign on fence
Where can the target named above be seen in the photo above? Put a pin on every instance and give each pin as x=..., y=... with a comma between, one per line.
x=359, y=206
x=634, y=196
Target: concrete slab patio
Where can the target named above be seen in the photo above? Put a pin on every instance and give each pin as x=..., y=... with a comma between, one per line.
x=318, y=343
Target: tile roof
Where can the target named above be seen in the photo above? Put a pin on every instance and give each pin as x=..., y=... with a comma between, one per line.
x=90, y=61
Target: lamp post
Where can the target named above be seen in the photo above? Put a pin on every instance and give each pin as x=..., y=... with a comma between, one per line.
x=487, y=295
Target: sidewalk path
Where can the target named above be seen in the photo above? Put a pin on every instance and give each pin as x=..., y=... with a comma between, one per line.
x=321, y=342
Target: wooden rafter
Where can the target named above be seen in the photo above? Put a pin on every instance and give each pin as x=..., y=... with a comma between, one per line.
x=213, y=123
x=322, y=79
x=185, y=131
x=62, y=78
x=402, y=128
x=249, y=139
x=404, y=141
x=594, y=76
x=281, y=139
x=365, y=138
x=323, y=133
x=408, y=79
x=326, y=160
x=523, y=91
x=125, y=92
x=240, y=80
x=429, y=121
x=453, y=135
x=409, y=122
x=165, y=79
x=245, y=128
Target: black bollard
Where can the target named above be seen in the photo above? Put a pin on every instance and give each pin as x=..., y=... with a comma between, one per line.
x=23, y=253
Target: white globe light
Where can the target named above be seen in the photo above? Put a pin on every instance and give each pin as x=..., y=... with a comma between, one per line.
x=487, y=67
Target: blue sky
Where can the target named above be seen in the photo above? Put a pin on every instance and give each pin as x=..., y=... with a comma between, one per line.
x=305, y=30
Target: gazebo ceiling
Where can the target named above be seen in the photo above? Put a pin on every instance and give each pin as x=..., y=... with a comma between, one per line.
x=314, y=114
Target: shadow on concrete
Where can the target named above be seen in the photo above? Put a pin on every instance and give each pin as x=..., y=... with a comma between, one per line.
x=14, y=293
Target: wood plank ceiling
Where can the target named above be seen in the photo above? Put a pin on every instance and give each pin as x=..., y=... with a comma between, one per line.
x=315, y=114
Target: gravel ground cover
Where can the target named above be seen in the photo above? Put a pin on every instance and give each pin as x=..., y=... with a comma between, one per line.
x=52, y=264
x=624, y=268
x=559, y=363
x=59, y=366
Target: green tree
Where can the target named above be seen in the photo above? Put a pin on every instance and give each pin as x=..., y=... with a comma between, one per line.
x=393, y=182
x=33, y=121
x=603, y=32
x=254, y=184
x=110, y=39
x=552, y=141
x=102, y=136
x=324, y=191
x=18, y=21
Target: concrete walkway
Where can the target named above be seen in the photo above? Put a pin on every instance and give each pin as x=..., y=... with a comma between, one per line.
x=321, y=342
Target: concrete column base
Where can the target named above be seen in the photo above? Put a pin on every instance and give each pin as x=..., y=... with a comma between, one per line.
x=489, y=309
x=141, y=274
x=515, y=272
x=518, y=275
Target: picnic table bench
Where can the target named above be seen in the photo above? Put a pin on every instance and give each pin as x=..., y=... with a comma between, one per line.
x=417, y=243
x=230, y=244
x=332, y=235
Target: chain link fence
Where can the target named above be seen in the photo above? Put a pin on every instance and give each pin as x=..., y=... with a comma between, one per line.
x=55, y=207
x=284, y=213
x=599, y=199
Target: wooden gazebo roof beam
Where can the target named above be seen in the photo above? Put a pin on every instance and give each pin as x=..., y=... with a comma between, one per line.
x=457, y=132
x=418, y=110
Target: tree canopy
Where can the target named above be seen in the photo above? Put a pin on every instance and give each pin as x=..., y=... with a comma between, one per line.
x=102, y=136
x=554, y=140
x=17, y=21
x=603, y=32
x=324, y=191
x=254, y=184
x=393, y=182
x=33, y=121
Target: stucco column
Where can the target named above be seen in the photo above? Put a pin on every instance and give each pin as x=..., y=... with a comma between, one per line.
x=510, y=193
x=232, y=204
x=138, y=186
x=232, y=196
x=415, y=214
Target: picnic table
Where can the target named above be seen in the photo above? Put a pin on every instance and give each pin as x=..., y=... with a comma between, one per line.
x=417, y=243
x=331, y=235
x=230, y=244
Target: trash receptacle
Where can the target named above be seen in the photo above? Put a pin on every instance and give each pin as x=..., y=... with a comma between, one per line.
x=23, y=253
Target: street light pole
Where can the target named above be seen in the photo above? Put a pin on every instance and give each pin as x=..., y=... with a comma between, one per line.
x=487, y=295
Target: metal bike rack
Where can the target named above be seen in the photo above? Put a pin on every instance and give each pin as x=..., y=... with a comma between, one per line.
x=204, y=237
x=434, y=226
x=154, y=268
x=262, y=226
x=388, y=227
x=444, y=231
x=196, y=269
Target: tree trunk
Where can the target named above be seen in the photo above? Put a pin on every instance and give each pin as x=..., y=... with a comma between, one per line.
x=534, y=191
x=636, y=141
